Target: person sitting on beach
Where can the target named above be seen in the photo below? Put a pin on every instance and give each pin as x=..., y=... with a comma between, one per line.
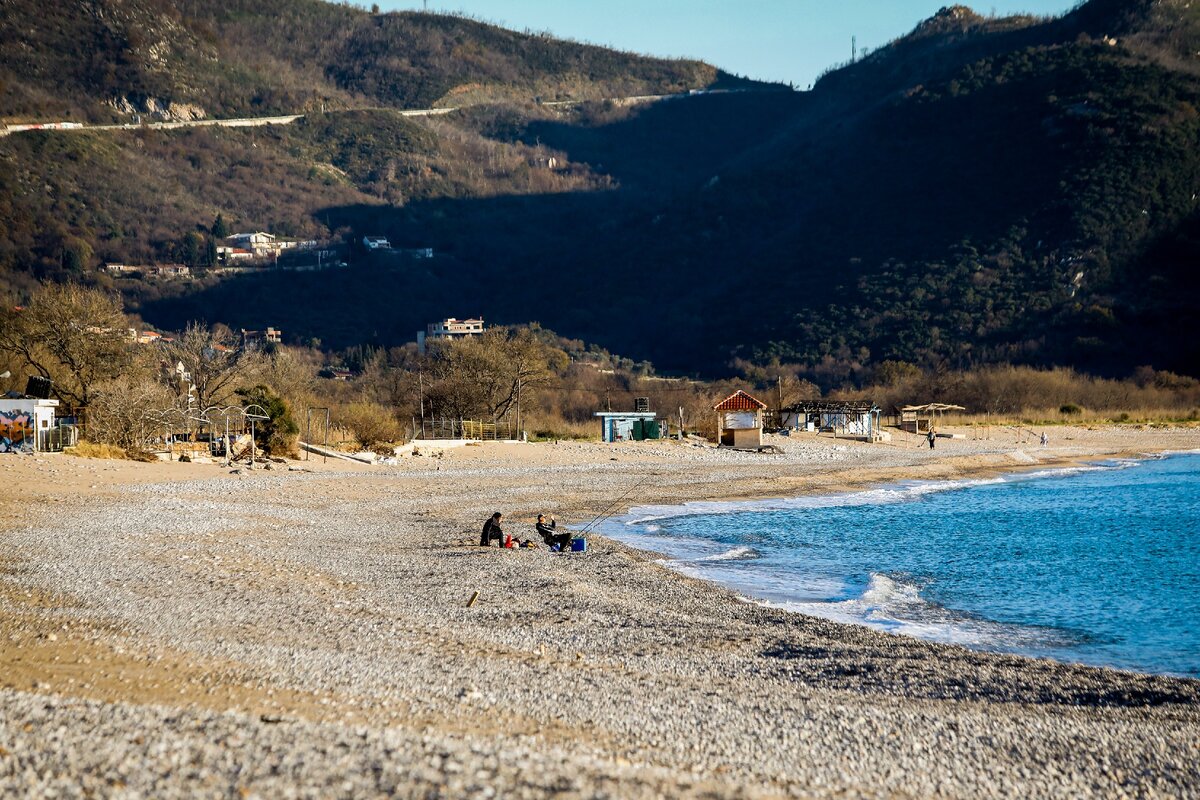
x=550, y=534
x=492, y=530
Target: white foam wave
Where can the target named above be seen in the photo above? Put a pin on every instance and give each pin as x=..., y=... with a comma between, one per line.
x=901, y=493
x=897, y=493
x=734, y=554
x=896, y=606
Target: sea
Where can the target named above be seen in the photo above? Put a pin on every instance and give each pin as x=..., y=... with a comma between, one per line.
x=1096, y=564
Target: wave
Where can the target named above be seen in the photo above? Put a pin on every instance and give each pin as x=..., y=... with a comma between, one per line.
x=735, y=554
x=897, y=493
x=901, y=493
x=892, y=604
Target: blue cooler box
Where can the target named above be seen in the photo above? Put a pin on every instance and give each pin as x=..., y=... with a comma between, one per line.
x=579, y=545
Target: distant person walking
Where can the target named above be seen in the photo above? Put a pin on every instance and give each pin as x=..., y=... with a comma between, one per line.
x=492, y=530
x=932, y=437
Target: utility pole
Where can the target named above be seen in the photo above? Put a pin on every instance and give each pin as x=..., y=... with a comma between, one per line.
x=518, y=406
x=779, y=400
x=853, y=49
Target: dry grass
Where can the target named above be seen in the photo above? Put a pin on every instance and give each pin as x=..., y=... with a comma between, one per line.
x=92, y=450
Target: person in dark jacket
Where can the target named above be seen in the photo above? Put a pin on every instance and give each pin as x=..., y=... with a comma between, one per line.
x=550, y=534
x=492, y=530
x=932, y=438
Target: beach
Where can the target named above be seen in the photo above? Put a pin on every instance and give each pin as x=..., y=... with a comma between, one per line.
x=179, y=630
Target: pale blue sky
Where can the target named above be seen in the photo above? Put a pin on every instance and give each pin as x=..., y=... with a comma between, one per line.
x=781, y=40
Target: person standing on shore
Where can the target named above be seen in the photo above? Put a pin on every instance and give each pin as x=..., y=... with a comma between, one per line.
x=1045, y=439
x=932, y=438
x=492, y=530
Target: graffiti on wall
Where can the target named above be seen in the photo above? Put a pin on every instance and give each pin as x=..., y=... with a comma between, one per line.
x=16, y=430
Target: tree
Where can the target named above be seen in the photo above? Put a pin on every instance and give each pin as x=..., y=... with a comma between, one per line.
x=74, y=336
x=486, y=375
x=278, y=434
x=213, y=360
x=76, y=254
x=191, y=249
x=219, y=229
x=210, y=253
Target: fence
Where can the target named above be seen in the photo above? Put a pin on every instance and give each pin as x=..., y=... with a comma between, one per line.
x=53, y=440
x=469, y=429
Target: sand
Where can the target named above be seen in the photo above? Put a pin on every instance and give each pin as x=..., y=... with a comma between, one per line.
x=178, y=630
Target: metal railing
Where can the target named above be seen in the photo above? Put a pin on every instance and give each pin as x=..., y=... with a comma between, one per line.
x=468, y=429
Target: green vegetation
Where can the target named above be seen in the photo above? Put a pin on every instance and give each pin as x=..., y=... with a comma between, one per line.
x=981, y=191
x=228, y=58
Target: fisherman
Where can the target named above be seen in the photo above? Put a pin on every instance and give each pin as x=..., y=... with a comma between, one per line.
x=550, y=534
x=492, y=530
x=932, y=438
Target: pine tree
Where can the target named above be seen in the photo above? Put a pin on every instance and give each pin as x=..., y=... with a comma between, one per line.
x=219, y=229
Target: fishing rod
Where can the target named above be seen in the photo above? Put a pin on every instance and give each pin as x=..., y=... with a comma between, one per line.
x=607, y=512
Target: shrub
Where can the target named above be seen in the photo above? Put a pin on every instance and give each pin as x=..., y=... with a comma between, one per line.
x=278, y=434
x=371, y=423
x=1070, y=409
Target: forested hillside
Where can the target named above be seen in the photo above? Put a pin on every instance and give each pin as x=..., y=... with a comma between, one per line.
x=981, y=190
x=111, y=59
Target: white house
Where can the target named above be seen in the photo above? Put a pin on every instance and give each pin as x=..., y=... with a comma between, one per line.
x=376, y=243
x=449, y=328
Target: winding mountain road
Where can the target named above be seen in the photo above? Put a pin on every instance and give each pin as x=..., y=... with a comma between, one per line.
x=251, y=122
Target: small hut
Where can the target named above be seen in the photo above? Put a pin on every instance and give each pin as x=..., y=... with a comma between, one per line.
x=740, y=421
x=924, y=418
x=858, y=418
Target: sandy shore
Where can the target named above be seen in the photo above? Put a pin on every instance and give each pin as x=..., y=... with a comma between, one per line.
x=174, y=630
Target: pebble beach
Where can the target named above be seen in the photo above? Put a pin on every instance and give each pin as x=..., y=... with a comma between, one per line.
x=179, y=630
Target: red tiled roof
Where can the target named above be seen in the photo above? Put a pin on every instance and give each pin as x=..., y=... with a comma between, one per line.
x=739, y=401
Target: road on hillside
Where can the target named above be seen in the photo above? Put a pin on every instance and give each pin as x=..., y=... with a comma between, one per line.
x=243, y=122
x=250, y=122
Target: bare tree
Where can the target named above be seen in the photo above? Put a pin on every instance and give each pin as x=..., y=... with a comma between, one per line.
x=214, y=362
x=485, y=375
x=75, y=336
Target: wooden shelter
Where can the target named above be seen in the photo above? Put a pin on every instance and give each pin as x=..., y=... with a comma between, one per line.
x=740, y=421
x=845, y=417
x=924, y=418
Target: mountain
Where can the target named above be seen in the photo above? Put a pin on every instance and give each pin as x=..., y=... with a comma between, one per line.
x=103, y=60
x=980, y=190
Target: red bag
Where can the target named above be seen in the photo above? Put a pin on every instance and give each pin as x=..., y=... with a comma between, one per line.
x=508, y=541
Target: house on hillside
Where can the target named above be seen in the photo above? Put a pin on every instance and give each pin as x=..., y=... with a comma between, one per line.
x=228, y=254
x=740, y=421
x=252, y=340
x=449, y=328
x=376, y=243
x=259, y=242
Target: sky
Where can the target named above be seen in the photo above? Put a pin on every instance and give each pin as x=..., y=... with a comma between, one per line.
x=792, y=41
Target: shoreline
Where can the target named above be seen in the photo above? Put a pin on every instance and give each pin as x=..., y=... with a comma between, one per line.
x=706, y=507
x=289, y=610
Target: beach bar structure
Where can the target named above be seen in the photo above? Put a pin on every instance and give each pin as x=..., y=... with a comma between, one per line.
x=630, y=426
x=27, y=423
x=859, y=418
x=923, y=418
x=740, y=421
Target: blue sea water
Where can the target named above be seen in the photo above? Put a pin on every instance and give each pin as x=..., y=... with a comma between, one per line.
x=1097, y=565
